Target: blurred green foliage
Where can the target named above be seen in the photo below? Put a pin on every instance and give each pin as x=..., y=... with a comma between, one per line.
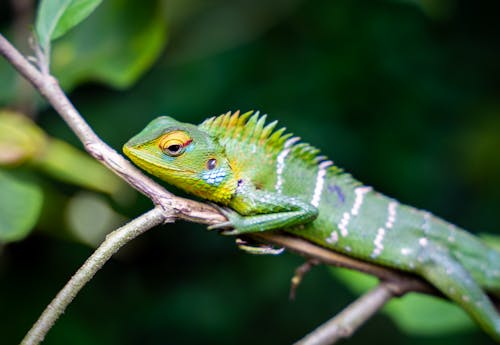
x=115, y=45
x=27, y=152
x=403, y=94
x=20, y=205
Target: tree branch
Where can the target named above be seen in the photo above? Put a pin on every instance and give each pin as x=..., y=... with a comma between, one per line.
x=113, y=242
x=169, y=208
x=344, y=324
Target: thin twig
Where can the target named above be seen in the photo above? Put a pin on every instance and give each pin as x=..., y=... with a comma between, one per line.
x=23, y=10
x=113, y=242
x=299, y=275
x=344, y=324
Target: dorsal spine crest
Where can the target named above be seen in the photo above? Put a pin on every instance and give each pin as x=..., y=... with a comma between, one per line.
x=250, y=129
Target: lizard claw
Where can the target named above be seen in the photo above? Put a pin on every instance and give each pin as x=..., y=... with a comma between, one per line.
x=219, y=226
x=258, y=248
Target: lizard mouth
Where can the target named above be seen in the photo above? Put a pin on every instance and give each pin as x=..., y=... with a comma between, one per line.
x=150, y=160
x=162, y=167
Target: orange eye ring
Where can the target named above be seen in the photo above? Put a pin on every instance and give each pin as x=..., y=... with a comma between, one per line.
x=174, y=143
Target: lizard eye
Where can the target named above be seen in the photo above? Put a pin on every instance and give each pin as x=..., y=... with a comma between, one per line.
x=174, y=143
x=211, y=163
x=174, y=149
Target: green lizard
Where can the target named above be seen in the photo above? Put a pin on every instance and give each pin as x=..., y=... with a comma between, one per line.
x=265, y=180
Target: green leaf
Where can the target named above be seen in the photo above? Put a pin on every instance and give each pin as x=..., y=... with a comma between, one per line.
x=20, y=205
x=76, y=12
x=56, y=17
x=115, y=46
x=22, y=141
x=48, y=15
x=414, y=313
x=20, y=138
x=71, y=165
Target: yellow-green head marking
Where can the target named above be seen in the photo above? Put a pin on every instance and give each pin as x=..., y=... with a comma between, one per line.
x=185, y=156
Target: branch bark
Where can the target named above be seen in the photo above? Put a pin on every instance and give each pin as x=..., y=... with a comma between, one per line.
x=344, y=324
x=169, y=207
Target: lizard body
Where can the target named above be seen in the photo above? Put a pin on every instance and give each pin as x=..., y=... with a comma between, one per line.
x=269, y=180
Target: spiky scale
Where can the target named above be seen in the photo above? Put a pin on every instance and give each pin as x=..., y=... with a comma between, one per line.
x=225, y=119
x=239, y=129
x=259, y=128
x=234, y=119
x=266, y=132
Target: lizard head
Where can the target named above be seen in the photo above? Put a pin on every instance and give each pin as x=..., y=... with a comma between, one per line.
x=184, y=156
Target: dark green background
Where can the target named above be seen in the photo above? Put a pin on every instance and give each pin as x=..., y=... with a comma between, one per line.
x=405, y=99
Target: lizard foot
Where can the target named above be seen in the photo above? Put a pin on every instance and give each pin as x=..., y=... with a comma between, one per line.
x=252, y=247
x=229, y=224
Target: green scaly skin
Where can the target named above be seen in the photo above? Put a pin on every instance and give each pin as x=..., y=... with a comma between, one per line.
x=267, y=180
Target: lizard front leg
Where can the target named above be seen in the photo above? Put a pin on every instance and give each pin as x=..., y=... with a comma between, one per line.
x=258, y=210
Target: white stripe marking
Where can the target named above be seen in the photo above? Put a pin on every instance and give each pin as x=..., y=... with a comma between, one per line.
x=320, y=181
x=334, y=237
x=379, y=246
x=379, y=238
x=343, y=224
x=346, y=217
x=280, y=162
x=405, y=251
x=392, y=214
x=360, y=195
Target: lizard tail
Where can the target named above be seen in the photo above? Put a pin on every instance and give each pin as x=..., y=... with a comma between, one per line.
x=481, y=258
